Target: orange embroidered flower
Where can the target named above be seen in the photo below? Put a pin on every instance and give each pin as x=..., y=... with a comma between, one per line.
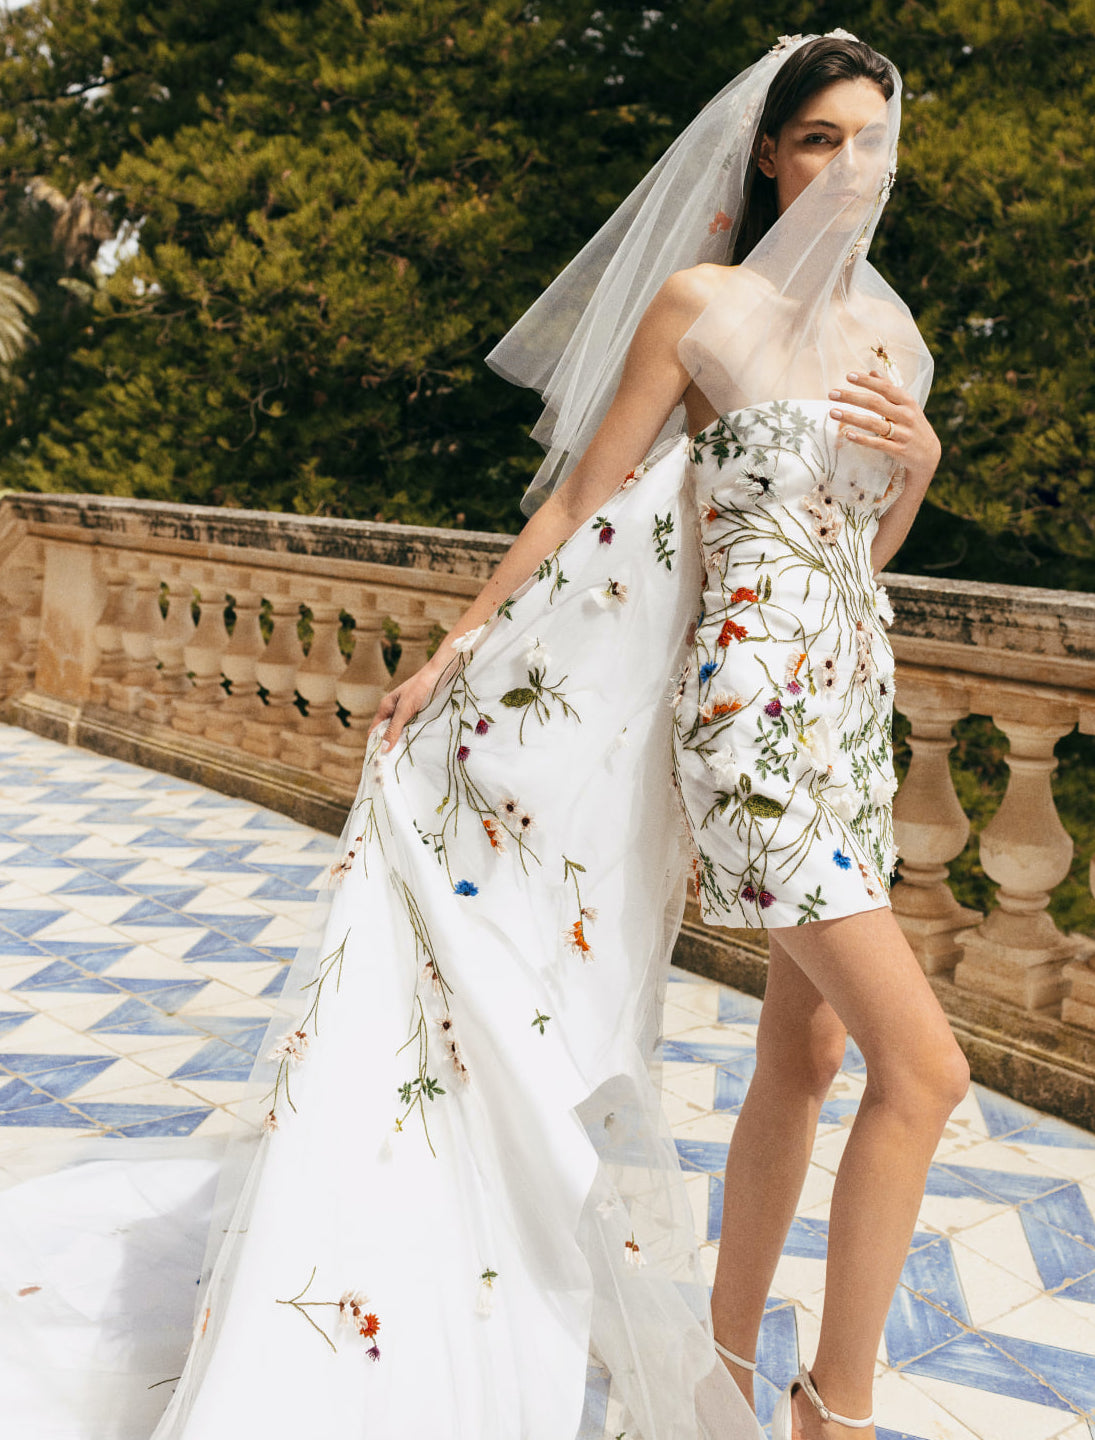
x=742, y=593
x=576, y=938
x=731, y=631
x=370, y=1324
x=493, y=833
x=722, y=221
x=722, y=707
x=712, y=515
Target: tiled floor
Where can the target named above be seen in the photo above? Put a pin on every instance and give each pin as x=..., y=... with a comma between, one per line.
x=144, y=924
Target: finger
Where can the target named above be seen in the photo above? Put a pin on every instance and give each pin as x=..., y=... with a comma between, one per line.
x=384, y=710
x=871, y=439
x=403, y=715
x=875, y=381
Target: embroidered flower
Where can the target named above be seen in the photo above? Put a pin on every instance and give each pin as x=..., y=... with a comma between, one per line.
x=743, y=595
x=870, y=881
x=791, y=673
x=481, y=726
x=722, y=221
x=575, y=936
x=828, y=528
x=883, y=789
x=432, y=978
x=605, y=530
x=462, y=754
x=774, y=709
x=633, y=1256
x=864, y=659
x=765, y=898
x=731, y=631
x=444, y=1024
x=828, y=673
x=815, y=742
x=465, y=887
x=536, y=656
x=373, y=1351
x=614, y=593
x=707, y=669
x=844, y=802
x=721, y=702
x=270, y=1123
x=495, y=833
x=633, y=475
x=351, y=1309
x=290, y=1047
x=463, y=643
x=708, y=512
x=748, y=894
x=485, y=1303
x=842, y=861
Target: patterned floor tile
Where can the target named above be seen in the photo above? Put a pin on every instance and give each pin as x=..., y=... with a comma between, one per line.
x=144, y=928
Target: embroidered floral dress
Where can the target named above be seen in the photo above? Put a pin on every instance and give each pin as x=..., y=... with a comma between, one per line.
x=783, y=713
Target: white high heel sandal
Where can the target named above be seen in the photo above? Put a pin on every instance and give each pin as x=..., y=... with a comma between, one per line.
x=735, y=1359
x=781, y=1419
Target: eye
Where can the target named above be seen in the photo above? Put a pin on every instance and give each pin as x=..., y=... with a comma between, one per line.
x=817, y=140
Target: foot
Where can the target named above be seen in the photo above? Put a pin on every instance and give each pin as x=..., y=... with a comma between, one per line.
x=807, y=1424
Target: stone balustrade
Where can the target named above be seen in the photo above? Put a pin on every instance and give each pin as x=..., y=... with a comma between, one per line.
x=247, y=651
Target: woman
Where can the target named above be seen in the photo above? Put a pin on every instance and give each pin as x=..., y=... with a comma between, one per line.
x=459, y=1114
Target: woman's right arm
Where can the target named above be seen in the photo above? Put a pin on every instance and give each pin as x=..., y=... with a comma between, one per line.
x=651, y=386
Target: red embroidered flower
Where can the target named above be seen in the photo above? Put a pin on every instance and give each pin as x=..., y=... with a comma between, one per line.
x=722, y=221
x=481, y=726
x=605, y=535
x=766, y=898
x=731, y=631
x=463, y=753
x=748, y=893
x=743, y=593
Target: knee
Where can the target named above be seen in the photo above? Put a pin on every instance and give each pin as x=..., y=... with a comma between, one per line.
x=805, y=1063
x=926, y=1084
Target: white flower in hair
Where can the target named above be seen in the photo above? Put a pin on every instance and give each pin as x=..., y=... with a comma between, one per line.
x=785, y=42
x=841, y=35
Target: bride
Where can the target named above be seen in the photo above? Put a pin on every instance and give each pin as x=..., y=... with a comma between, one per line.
x=459, y=1212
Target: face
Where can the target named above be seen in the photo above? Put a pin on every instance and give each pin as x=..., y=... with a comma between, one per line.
x=841, y=129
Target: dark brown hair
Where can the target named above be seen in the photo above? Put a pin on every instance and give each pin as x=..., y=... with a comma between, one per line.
x=807, y=70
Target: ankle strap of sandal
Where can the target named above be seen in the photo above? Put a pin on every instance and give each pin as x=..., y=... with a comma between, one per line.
x=805, y=1380
x=735, y=1359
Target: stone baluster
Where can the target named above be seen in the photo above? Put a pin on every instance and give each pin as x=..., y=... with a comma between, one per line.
x=204, y=658
x=108, y=632
x=225, y=724
x=931, y=829
x=414, y=634
x=23, y=584
x=1018, y=954
x=1078, y=1005
x=175, y=634
x=140, y=626
x=276, y=671
x=359, y=690
x=317, y=681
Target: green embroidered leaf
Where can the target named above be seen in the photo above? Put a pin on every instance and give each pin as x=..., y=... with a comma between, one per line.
x=519, y=698
x=763, y=808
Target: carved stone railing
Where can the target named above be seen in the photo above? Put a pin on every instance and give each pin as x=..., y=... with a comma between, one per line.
x=248, y=651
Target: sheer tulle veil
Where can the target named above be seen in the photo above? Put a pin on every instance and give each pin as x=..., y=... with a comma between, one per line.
x=805, y=305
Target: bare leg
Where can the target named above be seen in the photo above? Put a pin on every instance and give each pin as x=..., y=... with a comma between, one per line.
x=916, y=1074
x=800, y=1046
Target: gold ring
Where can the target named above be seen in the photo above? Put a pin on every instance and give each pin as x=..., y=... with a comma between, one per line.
x=891, y=431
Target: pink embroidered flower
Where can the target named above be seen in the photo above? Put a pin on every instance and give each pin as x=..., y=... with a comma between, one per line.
x=774, y=709
x=462, y=754
x=481, y=726
x=765, y=898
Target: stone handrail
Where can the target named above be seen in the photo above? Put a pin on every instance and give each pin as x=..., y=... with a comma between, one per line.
x=246, y=650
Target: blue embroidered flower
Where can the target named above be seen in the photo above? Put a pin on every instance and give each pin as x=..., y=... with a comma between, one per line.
x=707, y=669
x=843, y=861
x=465, y=887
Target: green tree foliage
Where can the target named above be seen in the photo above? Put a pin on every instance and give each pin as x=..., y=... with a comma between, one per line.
x=343, y=203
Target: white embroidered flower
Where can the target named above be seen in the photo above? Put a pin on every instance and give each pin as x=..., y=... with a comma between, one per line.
x=613, y=594
x=725, y=766
x=633, y=1256
x=270, y=1122
x=816, y=744
x=536, y=656
x=463, y=643
x=351, y=1307
x=291, y=1046
x=882, y=607
x=485, y=1303
x=827, y=674
x=883, y=789
x=844, y=802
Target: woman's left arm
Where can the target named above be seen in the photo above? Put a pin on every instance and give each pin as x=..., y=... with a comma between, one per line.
x=897, y=428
